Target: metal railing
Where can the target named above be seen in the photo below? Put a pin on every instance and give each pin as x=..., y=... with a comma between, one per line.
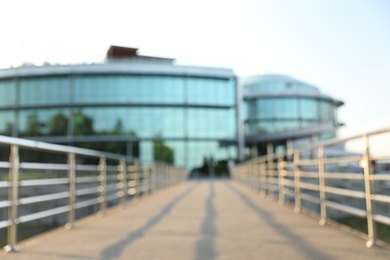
x=69, y=179
x=326, y=178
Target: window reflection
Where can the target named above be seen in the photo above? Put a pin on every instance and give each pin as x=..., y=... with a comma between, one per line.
x=6, y=119
x=7, y=93
x=146, y=107
x=41, y=122
x=270, y=114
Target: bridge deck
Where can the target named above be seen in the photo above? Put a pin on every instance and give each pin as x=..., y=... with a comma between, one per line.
x=199, y=220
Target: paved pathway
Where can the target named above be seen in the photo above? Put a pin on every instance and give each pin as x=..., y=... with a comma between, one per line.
x=199, y=220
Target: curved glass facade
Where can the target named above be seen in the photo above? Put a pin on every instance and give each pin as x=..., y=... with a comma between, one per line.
x=279, y=104
x=178, y=115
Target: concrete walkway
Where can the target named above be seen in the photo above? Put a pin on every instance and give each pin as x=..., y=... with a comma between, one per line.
x=199, y=220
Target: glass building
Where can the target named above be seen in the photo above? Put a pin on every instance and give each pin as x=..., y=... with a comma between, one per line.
x=145, y=107
x=150, y=108
x=278, y=109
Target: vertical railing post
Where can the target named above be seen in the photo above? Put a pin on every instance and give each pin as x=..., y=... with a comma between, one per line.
x=103, y=185
x=141, y=174
x=165, y=176
x=132, y=184
x=13, y=199
x=270, y=170
x=258, y=175
x=281, y=165
x=263, y=177
x=367, y=166
x=72, y=190
x=297, y=183
x=122, y=182
x=322, y=185
x=150, y=179
x=135, y=188
x=154, y=182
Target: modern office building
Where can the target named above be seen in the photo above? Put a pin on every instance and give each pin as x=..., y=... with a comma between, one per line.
x=282, y=110
x=153, y=109
x=146, y=107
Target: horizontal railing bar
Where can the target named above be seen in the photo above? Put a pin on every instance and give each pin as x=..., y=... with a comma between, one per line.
x=287, y=182
x=5, y=223
x=43, y=166
x=347, y=176
x=41, y=198
x=334, y=160
x=87, y=179
x=288, y=173
x=5, y=165
x=347, y=209
x=43, y=182
x=381, y=198
x=309, y=186
x=87, y=191
x=85, y=167
x=313, y=175
x=338, y=141
x=380, y=158
x=5, y=204
x=382, y=219
x=308, y=162
x=86, y=203
x=43, y=214
x=380, y=177
x=310, y=198
x=345, y=192
x=5, y=184
x=36, y=145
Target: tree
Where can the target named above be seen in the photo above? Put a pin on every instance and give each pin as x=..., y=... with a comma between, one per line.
x=82, y=124
x=34, y=127
x=162, y=152
x=118, y=128
x=58, y=125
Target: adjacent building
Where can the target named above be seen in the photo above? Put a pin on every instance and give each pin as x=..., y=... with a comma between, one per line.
x=281, y=110
x=151, y=108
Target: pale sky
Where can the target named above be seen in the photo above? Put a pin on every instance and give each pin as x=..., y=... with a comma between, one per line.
x=340, y=46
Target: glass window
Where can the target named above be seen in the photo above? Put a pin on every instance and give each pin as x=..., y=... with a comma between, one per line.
x=309, y=109
x=207, y=123
x=38, y=122
x=156, y=89
x=200, y=153
x=285, y=125
x=138, y=121
x=326, y=110
x=7, y=92
x=157, y=122
x=51, y=90
x=263, y=109
x=285, y=108
x=101, y=89
x=210, y=91
x=101, y=121
x=6, y=119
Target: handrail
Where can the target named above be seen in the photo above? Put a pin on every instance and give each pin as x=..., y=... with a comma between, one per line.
x=113, y=180
x=308, y=176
